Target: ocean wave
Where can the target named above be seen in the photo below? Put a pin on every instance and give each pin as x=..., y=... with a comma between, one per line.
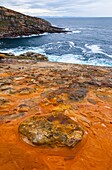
x=21, y=50
x=73, y=45
x=74, y=32
x=97, y=49
x=86, y=28
x=67, y=29
x=36, y=35
x=78, y=59
x=58, y=44
x=94, y=48
x=28, y=36
x=68, y=52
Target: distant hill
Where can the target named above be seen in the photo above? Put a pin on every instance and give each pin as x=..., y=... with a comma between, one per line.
x=13, y=24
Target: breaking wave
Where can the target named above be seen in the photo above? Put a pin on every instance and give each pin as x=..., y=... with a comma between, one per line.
x=96, y=49
x=68, y=52
x=88, y=42
x=28, y=36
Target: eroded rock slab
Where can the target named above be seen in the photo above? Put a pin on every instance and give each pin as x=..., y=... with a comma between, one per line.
x=83, y=93
x=54, y=130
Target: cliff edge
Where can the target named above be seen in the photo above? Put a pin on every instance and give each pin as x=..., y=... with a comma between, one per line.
x=13, y=24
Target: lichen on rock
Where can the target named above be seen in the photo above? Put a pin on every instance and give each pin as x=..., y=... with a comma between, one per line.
x=53, y=130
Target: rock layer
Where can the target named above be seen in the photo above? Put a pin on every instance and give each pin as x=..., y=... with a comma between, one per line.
x=13, y=24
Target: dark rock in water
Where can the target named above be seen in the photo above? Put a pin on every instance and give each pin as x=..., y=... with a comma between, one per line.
x=33, y=56
x=13, y=24
x=54, y=130
x=24, y=56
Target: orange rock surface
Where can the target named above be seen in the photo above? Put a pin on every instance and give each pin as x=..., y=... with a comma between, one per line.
x=84, y=93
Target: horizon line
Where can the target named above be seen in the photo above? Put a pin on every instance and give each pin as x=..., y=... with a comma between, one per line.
x=76, y=16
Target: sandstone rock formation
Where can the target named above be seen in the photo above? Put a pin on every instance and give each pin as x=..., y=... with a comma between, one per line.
x=41, y=89
x=13, y=24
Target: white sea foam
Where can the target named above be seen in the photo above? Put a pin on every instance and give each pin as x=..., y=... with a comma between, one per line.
x=71, y=44
x=74, y=32
x=96, y=49
x=20, y=50
x=66, y=58
x=86, y=28
x=28, y=36
x=67, y=29
x=77, y=59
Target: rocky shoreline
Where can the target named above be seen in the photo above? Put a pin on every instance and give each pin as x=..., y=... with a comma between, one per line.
x=44, y=95
x=29, y=56
x=14, y=24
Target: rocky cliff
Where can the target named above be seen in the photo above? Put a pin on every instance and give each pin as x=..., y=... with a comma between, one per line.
x=14, y=24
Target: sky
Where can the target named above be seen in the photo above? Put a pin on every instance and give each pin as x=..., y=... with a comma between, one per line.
x=61, y=8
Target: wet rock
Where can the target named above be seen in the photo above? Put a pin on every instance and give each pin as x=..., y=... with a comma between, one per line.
x=54, y=130
x=33, y=56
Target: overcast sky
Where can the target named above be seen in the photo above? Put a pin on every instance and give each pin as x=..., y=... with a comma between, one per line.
x=88, y=8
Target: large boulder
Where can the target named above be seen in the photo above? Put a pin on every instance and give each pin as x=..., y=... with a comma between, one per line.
x=54, y=130
x=33, y=56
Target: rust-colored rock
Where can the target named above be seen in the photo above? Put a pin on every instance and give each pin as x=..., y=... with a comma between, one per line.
x=41, y=89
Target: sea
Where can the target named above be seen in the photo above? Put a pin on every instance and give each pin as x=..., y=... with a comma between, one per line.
x=88, y=42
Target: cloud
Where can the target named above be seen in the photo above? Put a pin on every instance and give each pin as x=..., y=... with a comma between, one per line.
x=60, y=7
